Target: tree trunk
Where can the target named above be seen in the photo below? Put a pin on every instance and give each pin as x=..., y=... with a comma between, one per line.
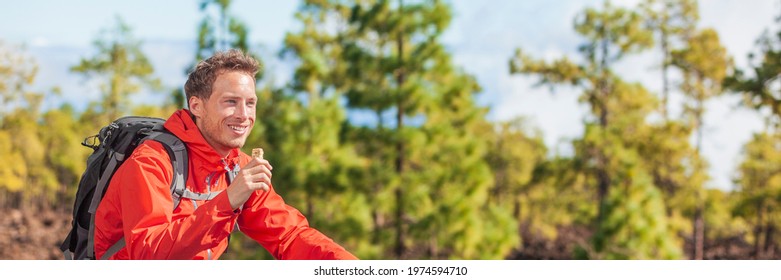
x=603, y=177
x=758, y=234
x=603, y=91
x=699, y=224
x=378, y=219
x=770, y=246
x=400, y=79
x=309, y=206
x=665, y=82
x=400, y=248
x=698, y=234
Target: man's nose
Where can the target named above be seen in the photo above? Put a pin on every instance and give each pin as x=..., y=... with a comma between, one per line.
x=242, y=111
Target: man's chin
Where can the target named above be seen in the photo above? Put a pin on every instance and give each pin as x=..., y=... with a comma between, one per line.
x=236, y=144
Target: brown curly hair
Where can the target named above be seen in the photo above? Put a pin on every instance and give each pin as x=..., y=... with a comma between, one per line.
x=200, y=80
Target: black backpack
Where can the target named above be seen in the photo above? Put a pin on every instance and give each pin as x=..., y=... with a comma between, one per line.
x=112, y=145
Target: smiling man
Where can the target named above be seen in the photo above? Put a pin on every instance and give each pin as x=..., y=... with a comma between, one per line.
x=226, y=187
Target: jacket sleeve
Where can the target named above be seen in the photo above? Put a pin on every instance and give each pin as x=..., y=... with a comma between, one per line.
x=284, y=231
x=147, y=210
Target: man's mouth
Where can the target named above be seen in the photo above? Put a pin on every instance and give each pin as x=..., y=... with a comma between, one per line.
x=238, y=128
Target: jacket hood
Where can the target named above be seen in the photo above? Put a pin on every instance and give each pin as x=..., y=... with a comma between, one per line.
x=182, y=124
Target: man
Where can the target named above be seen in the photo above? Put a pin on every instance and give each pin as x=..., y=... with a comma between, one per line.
x=138, y=205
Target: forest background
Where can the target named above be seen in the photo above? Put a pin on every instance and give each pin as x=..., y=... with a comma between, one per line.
x=432, y=129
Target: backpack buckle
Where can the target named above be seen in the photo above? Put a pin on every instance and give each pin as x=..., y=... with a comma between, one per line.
x=91, y=142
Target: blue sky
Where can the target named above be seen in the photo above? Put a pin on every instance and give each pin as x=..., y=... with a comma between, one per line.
x=481, y=38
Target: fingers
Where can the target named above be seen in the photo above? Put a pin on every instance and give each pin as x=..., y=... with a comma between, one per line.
x=257, y=162
x=257, y=181
x=257, y=174
x=263, y=186
x=261, y=180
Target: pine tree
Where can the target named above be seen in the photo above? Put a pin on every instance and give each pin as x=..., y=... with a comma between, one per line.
x=120, y=68
x=17, y=73
x=673, y=21
x=758, y=83
x=423, y=170
x=629, y=222
x=760, y=189
x=38, y=176
x=305, y=126
x=757, y=173
x=704, y=63
x=428, y=157
x=219, y=30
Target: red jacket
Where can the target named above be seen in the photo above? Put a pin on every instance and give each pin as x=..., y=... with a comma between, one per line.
x=139, y=207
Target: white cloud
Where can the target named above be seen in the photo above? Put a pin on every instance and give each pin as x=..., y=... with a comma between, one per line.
x=39, y=42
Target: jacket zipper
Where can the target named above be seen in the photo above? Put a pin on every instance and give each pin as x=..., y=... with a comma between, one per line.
x=195, y=205
x=208, y=190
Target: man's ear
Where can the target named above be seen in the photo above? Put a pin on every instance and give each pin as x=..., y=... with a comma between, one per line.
x=196, y=106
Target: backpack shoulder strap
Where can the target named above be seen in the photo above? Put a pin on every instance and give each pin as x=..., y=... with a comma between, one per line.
x=178, y=153
x=179, y=160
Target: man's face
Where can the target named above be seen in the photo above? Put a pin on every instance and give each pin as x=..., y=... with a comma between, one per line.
x=227, y=117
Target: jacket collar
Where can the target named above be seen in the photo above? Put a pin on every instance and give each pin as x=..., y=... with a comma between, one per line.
x=182, y=124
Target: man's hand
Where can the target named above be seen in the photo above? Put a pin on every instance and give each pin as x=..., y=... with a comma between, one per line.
x=256, y=175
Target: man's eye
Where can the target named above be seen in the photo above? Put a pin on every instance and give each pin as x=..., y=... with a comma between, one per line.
x=231, y=101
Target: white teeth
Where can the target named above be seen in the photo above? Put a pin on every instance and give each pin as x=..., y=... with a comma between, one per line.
x=238, y=128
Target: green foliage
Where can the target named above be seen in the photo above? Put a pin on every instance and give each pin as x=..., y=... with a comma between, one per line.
x=36, y=176
x=17, y=73
x=457, y=177
x=417, y=185
x=677, y=169
x=704, y=63
x=611, y=33
x=635, y=226
x=542, y=194
x=760, y=185
x=120, y=68
x=757, y=200
x=219, y=30
x=560, y=71
x=609, y=150
x=62, y=135
x=302, y=130
x=719, y=217
x=558, y=195
x=756, y=83
x=439, y=175
x=672, y=21
x=12, y=178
